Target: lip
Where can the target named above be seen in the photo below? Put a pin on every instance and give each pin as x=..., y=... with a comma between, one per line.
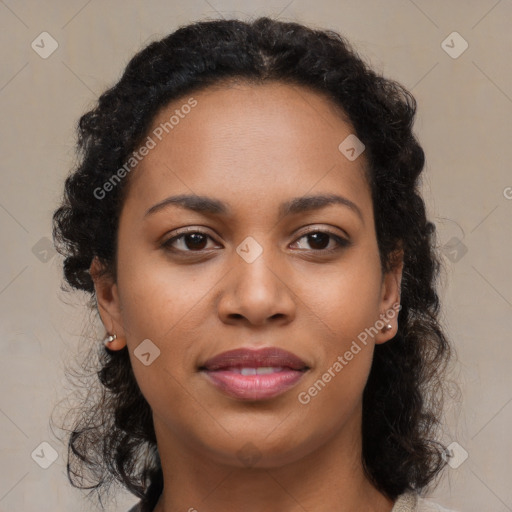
x=282, y=371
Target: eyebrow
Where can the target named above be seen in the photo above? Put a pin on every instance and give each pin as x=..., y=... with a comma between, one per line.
x=208, y=205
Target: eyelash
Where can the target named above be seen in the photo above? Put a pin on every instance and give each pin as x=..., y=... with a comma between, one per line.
x=342, y=242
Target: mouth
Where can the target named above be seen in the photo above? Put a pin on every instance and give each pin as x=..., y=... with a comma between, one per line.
x=249, y=374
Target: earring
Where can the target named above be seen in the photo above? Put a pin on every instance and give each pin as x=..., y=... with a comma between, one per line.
x=109, y=339
x=386, y=328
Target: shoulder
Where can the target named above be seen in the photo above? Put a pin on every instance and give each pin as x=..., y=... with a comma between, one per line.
x=411, y=502
x=429, y=506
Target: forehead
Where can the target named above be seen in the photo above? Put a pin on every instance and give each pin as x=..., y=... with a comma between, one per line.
x=242, y=140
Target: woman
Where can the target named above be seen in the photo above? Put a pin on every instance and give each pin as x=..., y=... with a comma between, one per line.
x=246, y=217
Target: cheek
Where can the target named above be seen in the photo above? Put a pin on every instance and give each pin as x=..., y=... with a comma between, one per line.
x=347, y=297
x=332, y=397
x=157, y=297
x=163, y=304
x=347, y=300
x=159, y=305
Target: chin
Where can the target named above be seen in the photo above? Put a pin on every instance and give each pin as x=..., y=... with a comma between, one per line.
x=259, y=449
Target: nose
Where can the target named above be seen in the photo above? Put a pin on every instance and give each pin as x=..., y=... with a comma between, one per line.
x=256, y=294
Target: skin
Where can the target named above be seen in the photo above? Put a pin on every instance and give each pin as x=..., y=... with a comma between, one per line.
x=252, y=147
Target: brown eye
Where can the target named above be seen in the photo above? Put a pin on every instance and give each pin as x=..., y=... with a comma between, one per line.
x=319, y=241
x=195, y=241
x=323, y=241
x=192, y=241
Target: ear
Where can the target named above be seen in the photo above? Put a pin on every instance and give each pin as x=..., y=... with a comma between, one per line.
x=109, y=307
x=390, y=298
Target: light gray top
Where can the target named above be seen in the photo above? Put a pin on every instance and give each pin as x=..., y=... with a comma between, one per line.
x=411, y=502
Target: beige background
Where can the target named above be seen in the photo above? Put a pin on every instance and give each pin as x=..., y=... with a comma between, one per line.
x=465, y=105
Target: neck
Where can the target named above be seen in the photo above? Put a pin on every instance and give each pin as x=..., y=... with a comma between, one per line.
x=330, y=477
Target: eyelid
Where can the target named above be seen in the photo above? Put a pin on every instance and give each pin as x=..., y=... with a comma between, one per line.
x=190, y=229
x=314, y=228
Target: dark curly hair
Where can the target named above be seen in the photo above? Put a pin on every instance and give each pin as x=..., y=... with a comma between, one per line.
x=112, y=438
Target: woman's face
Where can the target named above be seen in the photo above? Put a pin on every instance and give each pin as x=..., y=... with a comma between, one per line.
x=268, y=263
